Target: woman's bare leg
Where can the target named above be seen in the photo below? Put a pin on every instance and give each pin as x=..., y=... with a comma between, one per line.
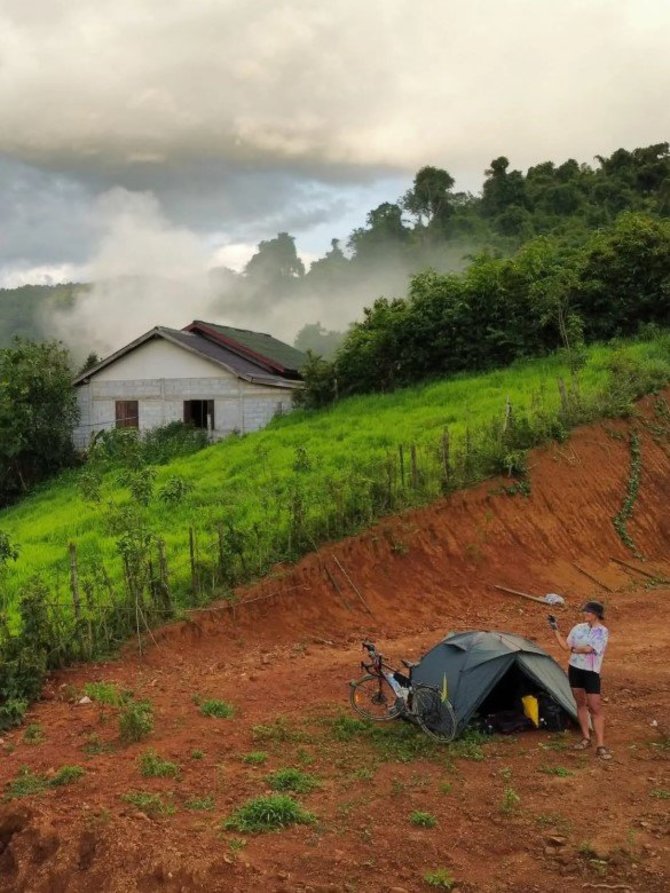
x=582, y=712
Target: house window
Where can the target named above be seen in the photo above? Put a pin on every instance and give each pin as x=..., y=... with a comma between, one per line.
x=199, y=413
x=127, y=414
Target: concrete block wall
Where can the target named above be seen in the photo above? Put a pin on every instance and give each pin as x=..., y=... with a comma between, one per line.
x=238, y=405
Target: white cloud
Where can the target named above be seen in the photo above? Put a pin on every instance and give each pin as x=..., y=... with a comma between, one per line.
x=130, y=83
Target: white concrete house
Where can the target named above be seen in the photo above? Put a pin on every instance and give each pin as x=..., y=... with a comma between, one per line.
x=217, y=378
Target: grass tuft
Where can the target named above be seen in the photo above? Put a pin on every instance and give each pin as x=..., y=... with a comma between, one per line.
x=217, y=709
x=292, y=780
x=154, y=766
x=268, y=814
x=423, y=819
x=135, y=721
x=150, y=804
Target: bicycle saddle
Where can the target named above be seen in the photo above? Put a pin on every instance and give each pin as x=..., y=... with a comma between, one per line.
x=410, y=664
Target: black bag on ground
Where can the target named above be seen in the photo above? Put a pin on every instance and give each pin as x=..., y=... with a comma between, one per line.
x=552, y=716
x=506, y=722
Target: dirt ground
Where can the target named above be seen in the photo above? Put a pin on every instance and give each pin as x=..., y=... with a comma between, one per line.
x=525, y=813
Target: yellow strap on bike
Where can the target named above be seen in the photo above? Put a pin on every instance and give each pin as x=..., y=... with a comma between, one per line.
x=445, y=690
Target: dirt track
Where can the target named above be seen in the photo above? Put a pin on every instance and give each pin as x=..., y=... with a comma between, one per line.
x=290, y=652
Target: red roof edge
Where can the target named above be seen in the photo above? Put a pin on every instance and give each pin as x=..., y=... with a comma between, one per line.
x=231, y=344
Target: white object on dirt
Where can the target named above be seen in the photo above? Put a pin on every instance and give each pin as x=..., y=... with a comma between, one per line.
x=85, y=700
x=551, y=598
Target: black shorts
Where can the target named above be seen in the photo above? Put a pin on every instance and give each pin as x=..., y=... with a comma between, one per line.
x=586, y=679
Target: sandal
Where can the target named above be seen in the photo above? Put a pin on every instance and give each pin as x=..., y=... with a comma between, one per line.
x=603, y=753
x=583, y=744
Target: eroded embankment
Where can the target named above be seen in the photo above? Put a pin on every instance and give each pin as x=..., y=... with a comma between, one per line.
x=411, y=569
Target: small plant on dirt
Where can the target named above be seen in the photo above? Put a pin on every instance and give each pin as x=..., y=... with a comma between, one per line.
x=95, y=745
x=66, y=775
x=559, y=771
x=441, y=878
x=510, y=800
x=236, y=845
x=423, y=819
x=34, y=734
x=26, y=784
x=218, y=709
x=446, y=787
x=107, y=693
x=197, y=754
x=154, y=766
x=135, y=721
x=268, y=814
x=292, y=780
x=150, y=804
x=200, y=804
x=255, y=758
x=304, y=756
x=661, y=794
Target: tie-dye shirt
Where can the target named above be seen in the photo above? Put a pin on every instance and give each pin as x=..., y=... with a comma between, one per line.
x=596, y=637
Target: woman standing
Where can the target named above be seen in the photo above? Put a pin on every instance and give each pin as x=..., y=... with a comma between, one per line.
x=586, y=643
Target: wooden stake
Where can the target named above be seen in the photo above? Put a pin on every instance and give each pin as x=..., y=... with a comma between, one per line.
x=532, y=598
x=353, y=586
x=639, y=570
x=74, y=582
x=591, y=577
x=445, y=456
x=191, y=548
x=415, y=470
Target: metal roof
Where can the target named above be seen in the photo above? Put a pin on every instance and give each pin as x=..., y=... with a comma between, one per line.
x=243, y=366
x=258, y=346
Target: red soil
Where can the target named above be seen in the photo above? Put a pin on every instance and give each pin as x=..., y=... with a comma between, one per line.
x=290, y=648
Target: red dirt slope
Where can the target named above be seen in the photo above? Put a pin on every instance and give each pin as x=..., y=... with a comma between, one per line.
x=288, y=650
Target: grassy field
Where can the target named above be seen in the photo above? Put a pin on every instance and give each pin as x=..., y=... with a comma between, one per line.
x=309, y=477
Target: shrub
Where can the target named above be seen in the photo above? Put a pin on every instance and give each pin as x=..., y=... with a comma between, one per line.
x=268, y=814
x=33, y=733
x=135, y=721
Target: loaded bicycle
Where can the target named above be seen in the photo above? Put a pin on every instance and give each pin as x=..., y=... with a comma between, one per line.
x=385, y=693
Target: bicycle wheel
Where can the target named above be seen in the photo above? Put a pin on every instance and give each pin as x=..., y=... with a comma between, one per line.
x=373, y=698
x=434, y=714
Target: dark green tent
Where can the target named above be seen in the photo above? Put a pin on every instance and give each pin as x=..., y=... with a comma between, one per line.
x=488, y=671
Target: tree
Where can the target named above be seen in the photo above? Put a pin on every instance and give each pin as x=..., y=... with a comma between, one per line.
x=275, y=262
x=430, y=196
x=385, y=233
x=38, y=411
x=323, y=342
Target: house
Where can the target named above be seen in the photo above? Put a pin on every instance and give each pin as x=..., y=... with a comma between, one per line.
x=215, y=377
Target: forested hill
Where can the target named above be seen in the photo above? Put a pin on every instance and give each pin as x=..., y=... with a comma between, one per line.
x=432, y=225
x=23, y=311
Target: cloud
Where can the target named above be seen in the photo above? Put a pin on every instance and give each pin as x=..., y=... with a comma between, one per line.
x=327, y=87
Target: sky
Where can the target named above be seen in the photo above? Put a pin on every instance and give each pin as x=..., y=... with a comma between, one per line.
x=137, y=135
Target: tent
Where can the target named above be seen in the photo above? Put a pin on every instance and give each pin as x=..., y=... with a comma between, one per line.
x=490, y=671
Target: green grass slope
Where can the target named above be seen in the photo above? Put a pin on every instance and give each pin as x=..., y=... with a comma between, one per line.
x=309, y=477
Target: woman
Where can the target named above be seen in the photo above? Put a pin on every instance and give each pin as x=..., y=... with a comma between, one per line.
x=586, y=643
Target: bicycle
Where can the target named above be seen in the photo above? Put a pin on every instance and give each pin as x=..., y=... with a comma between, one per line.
x=385, y=693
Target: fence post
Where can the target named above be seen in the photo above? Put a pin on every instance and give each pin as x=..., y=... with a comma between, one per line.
x=191, y=548
x=445, y=456
x=164, y=576
x=74, y=582
x=415, y=470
